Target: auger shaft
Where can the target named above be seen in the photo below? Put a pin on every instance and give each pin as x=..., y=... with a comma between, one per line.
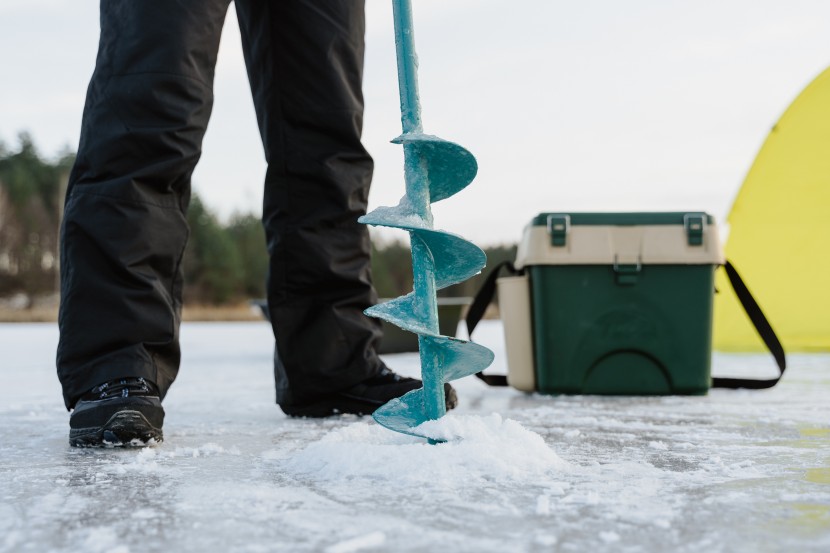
x=407, y=66
x=417, y=190
x=423, y=271
x=416, y=176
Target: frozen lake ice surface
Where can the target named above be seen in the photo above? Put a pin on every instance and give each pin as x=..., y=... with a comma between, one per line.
x=731, y=471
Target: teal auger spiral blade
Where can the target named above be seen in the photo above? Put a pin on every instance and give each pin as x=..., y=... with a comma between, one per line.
x=434, y=170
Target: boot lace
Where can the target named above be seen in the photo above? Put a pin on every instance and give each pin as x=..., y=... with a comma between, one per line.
x=122, y=387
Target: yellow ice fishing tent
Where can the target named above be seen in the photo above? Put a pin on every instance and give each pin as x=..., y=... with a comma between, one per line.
x=779, y=237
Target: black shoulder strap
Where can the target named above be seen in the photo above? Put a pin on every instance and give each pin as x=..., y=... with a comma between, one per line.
x=476, y=311
x=764, y=330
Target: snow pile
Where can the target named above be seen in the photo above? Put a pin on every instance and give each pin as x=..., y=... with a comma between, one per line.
x=478, y=449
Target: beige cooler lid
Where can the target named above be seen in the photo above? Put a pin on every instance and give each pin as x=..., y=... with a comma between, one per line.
x=609, y=244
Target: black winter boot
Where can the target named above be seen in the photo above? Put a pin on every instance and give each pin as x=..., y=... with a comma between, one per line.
x=121, y=412
x=364, y=398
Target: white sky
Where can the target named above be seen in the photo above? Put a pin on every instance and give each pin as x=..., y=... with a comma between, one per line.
x=592, y=105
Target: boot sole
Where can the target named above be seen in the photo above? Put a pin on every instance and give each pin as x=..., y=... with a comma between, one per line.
x=330, y=408
x=345, y=404
x=126, y=428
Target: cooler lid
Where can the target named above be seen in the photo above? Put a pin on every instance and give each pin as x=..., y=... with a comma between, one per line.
x=625, y=219
x=667, y=238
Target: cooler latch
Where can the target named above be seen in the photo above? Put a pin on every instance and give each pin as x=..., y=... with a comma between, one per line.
x=694, y=223
x=558, y=227
x=627, y=271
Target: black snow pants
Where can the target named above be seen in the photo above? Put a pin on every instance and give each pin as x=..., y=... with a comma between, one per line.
x=124, y=229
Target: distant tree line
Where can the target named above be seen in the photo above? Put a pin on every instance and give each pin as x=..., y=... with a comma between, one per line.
x=30, y=210
x=226, y=263
x=223, y=262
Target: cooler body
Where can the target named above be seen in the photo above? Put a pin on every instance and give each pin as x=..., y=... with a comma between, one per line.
x=621, y=303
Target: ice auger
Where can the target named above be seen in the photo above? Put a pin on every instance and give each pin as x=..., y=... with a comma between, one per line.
x=434, y=169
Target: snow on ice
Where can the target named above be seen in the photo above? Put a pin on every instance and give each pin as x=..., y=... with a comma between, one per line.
x=731, y=471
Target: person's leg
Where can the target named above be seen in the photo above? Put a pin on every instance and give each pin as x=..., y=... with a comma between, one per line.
x=124, y=228
x=305, y=64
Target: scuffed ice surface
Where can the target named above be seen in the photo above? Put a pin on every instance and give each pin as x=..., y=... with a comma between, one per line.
x=732, y=471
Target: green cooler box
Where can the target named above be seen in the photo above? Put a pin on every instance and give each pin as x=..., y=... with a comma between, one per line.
x=612, y=303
